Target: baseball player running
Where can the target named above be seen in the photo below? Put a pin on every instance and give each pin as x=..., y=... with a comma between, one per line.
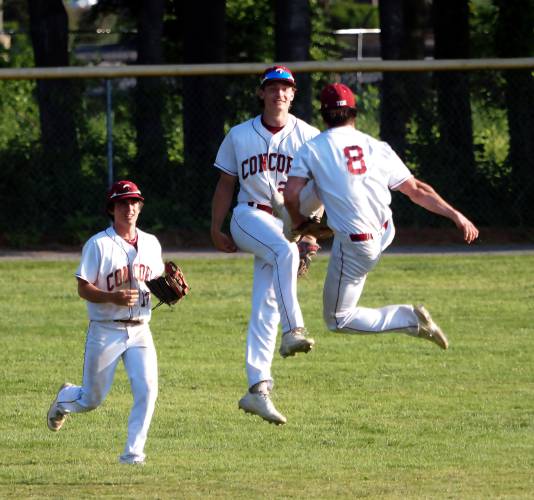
x=353, y=174
x=114, y=266
x=259, y=153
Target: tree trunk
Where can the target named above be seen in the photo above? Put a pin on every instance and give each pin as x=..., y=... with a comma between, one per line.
x=292, y=43
x=402, y=37
x=515, y=39
x=203, y=98
x=49, y=34
x=58, y=103
x=451, y=33
x=151, y=164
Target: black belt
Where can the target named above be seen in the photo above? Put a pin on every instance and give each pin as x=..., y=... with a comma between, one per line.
x=365, y=236
x=129, y=321
x=265, y=208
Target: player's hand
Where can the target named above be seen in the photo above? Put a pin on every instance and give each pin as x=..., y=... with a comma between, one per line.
x=223, y=242
x=126, y=298
x=469, y=230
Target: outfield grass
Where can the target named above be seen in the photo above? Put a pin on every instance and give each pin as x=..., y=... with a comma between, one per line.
x=384, y=416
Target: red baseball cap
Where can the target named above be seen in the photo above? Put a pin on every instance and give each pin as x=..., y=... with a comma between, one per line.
x=122, y=190
x=337, y=95
x=277, y=73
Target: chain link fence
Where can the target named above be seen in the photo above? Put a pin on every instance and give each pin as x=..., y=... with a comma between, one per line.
x=63, y=140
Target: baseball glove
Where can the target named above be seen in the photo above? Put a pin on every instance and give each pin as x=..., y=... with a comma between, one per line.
x=311, y=227
x=307, y=251
x=170, y=287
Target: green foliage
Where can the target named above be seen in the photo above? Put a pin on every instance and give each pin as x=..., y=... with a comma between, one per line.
x=374, y=416
x=491, y=140
x=350, y=14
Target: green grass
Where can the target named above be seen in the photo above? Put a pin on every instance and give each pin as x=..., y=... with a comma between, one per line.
x=384, y=416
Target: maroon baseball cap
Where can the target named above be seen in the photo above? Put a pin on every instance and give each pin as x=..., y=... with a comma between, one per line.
x=277, y=73
x=337, y=95
x=122, y=190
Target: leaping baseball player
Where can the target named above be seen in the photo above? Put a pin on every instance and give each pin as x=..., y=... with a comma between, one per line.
x=259, y=154
x=111, y=276
x=353, y=174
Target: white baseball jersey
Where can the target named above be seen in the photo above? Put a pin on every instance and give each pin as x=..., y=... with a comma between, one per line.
x=353, y=174
x=111, y=264
x=260, y=159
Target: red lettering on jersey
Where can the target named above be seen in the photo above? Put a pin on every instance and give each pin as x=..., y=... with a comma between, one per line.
x=253, y=161
x=148, y=273
x=125, y=274
x=354, y=154
x=142, y=269
x=118, y=277
x=281, y=163
x=289, y=160
x=272, y=167
x=263, y=162
x=245, y=175
x=108, y=281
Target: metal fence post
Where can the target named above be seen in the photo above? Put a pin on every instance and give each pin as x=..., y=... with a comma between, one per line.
x=109, y=129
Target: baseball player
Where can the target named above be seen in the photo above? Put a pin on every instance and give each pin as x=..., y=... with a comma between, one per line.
x=114, y=266
x=259, y=153
x=353, y=175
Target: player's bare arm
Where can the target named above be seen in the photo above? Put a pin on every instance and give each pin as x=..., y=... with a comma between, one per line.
x=292, y=200
x=221, y=203
x=424, y=195
x=88, y=291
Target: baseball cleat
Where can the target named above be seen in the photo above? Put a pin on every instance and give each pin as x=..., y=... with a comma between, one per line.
x=295, y=341
x=55, y=417
x=428, y=329
x=259, y=403
x=131, y=460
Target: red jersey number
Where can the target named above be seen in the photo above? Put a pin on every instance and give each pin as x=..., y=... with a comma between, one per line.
x=355, y=161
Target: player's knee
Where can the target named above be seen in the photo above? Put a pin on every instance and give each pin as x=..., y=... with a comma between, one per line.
x=146, y=391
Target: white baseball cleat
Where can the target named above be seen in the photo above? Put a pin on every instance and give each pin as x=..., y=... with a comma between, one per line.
x=294, y=341
x=131, y=460
x=259, y=403
x=55, y=417
x=428, y=329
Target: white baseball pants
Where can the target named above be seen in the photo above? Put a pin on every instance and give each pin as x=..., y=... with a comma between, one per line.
x=350, y=261
x=107, y=342
x=274, y=294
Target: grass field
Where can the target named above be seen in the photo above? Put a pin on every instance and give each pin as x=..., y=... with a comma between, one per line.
x=384, y=416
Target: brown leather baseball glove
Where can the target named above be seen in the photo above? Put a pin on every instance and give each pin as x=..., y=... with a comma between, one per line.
x=311, y=227
x=307, y=251
x=171, y=287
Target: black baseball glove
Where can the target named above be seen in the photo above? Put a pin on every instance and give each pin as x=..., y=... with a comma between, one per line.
x=171, y=287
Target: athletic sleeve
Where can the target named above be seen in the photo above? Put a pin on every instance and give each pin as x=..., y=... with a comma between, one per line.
x=397, y=171
x=300, y=167
x=226, y=159
x=90, y=262
x=159, y=268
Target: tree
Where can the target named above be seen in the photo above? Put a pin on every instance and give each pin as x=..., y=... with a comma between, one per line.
x=151, y=145
x=292, y=43
x=454, y=108
x=57, y=102
x=402, y=37
x=49, y=34
x=204, y=36
x=515, y=39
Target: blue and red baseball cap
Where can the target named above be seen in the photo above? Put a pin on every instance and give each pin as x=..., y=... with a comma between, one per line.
x=277, y=74
x=337, y=95
x=122, y=190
